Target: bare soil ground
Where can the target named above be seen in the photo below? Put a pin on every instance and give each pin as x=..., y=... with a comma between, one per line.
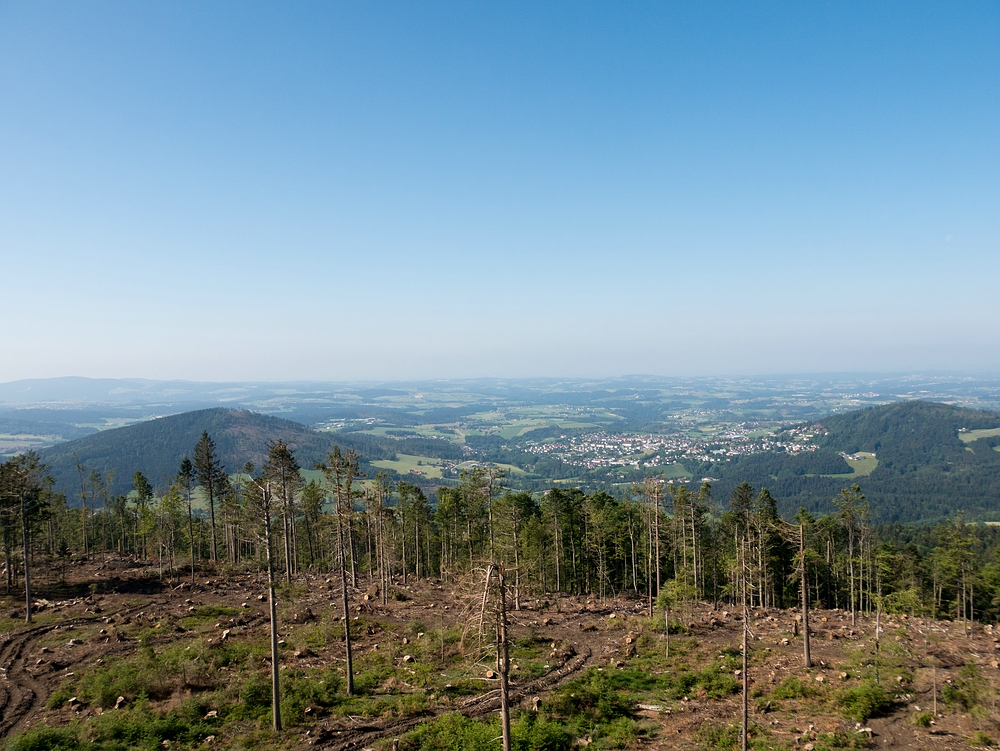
x=113, y=608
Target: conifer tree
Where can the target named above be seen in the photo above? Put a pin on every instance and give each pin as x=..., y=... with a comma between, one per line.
x=143, y=495
x=341, y=473
x=209, y=470
x=283, y=471
x=185, y=477
x=22, y=482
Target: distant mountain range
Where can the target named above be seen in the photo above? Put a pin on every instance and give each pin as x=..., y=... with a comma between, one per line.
x=925, y=472
x=156, y=447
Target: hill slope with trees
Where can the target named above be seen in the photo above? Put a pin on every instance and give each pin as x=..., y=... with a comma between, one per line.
x=925, y=471
x=157, y=447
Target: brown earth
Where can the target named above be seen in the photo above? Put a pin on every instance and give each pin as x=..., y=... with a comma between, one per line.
x=103, y=606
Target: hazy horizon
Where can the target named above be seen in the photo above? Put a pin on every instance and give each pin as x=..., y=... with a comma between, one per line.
x=762, y=376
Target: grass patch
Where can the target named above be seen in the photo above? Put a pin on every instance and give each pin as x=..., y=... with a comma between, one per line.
x=862, y=463
x=967, y=690
x=980, y=739
x=406, y=463
x=61, y=695
x=452, y=732
x=713, y=682
x=144, y=676
x=214, y=611
x=600, y=705
x=715, y=737
x=793, y=688
x=974, y=435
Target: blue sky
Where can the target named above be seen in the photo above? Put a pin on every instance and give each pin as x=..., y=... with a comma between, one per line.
x=404, y=190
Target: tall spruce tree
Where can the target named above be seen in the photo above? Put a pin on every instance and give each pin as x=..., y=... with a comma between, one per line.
x=22, y=481
x=143, y=495
x=283, y=471
x=209, y=470
x=185, y=477
x=341, y=474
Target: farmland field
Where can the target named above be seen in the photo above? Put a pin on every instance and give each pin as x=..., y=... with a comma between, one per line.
x=862, y=463
x=974, y=435
x=405, y=464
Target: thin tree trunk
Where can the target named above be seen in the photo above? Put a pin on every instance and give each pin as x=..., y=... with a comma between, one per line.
x=211, y=513
x=504, y=662
x=666, y=629
x=191, y=534
x=744, y=727
x=805, y=596
x=850, y=553
x=347, y=614
x=27, y=563
x=273, y=610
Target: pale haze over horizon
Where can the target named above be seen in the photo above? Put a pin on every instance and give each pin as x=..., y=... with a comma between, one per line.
x=387, y=191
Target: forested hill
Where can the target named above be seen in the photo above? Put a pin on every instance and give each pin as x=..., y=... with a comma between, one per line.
x=910, y=435
x=925, y=472
x=157, y=447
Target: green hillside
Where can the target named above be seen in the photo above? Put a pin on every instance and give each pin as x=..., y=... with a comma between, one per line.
x=912, y=435
x=927, y=469
x=156, y=447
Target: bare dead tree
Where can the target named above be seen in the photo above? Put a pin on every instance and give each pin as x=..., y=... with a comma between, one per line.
x=494, y=600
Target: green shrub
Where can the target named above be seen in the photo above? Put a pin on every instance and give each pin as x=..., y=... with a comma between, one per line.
x=300, y=690
x=594, y=699
x=45, y=739
x=923, y=719
x=256, y=692
x=715, y=681
x=532, y=732
x=143, y=676
x=966, y=691
x=230, y=652
x=792, y=688
x=61, y=695
x=452, y=732
x=619, y=733
x=214, y=611
x=143, y=727
x=863, y=701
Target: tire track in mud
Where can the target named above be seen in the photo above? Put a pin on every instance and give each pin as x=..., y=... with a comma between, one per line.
x=22, y=695
x=476, y=707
